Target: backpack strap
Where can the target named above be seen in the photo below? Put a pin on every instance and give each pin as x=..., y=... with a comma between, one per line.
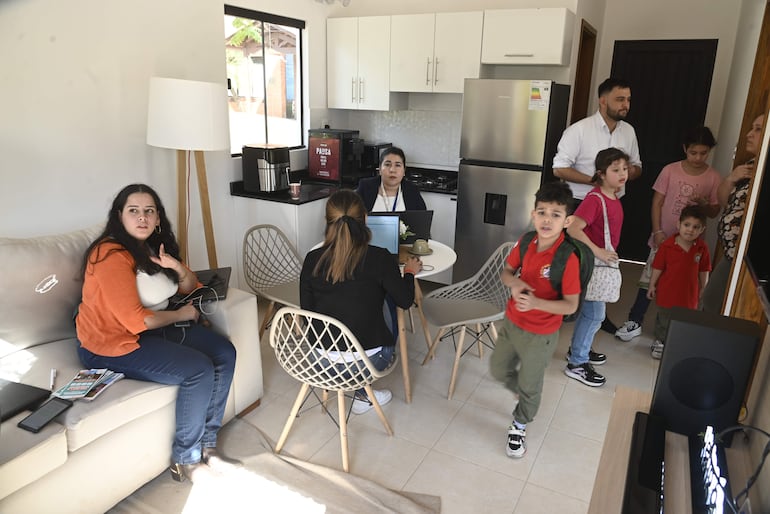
x=524, y=242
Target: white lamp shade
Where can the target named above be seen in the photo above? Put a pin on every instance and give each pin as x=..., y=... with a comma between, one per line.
x=187, y=115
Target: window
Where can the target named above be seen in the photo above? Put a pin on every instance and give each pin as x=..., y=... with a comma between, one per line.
x=264, y=78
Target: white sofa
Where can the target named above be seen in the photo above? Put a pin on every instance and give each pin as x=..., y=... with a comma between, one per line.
x=98, y=452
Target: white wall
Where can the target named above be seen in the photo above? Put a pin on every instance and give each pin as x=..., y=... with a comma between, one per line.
x=73, y=96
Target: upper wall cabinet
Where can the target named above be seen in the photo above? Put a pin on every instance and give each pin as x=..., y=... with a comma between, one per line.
x=527, y=36
x=357, y=63
x=434, y=52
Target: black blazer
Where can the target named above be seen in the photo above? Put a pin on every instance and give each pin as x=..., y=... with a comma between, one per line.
x=369, y=187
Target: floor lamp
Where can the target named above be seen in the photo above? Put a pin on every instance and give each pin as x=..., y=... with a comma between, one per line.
x=187, y=115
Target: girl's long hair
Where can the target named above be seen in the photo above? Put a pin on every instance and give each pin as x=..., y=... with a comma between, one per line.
x=347, y=237
x=141, y=251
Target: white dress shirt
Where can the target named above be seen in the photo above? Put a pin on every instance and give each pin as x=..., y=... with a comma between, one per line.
x=581, y=142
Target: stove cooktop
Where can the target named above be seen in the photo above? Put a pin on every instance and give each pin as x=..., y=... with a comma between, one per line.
x=433, y=180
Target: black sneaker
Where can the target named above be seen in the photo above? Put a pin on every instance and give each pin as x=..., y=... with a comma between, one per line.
x=517, y=444
x=609, y=327
x=585, y=373
x=595, y=358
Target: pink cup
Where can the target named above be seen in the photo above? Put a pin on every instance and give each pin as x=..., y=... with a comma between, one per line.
x=294, y=189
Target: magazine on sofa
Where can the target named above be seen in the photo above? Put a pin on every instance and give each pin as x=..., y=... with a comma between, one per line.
x=88, y=384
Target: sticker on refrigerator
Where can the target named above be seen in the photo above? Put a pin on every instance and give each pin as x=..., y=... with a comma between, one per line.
x=539, y=95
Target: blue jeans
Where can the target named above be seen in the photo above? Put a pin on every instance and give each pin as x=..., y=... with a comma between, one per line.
x=587, y=324
x=198, y=360
x=380, y=360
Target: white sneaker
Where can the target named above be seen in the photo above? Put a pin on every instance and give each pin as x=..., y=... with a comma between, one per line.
x=628, y=331
x=656, y=349
x=517, y=442
x=362, y=404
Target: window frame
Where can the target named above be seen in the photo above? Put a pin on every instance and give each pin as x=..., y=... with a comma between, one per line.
x=263, y=18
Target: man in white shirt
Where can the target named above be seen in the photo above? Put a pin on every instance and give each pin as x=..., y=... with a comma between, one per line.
x=581, y=141
x=574, y=160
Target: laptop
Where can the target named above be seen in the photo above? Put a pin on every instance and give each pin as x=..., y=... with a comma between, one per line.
x=215, y=284
x=217, y=279
x=16, y=397
x=418, y=222
x=385, y=231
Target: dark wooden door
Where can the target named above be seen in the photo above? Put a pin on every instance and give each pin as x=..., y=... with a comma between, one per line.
x=670, y=86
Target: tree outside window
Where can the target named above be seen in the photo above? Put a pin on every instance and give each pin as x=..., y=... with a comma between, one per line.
x=263, y=55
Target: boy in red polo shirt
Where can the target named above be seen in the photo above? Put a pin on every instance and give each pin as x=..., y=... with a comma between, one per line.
x=679, y=272
x=530, y=329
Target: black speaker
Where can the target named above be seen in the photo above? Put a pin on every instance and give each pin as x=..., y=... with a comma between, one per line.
x=704, y=371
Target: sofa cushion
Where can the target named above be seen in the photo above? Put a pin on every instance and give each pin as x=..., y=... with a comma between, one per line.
x=25, y=457
x=41, y=278
x=124, y=401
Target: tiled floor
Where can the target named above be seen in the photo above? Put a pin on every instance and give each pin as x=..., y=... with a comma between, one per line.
x=456, y=448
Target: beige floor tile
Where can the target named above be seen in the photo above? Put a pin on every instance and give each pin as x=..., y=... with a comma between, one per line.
x=422, y=422
x=537, y=500
x=478, y=435
x=583, y=411
x=567, y=463
x=311, y=429
x=387, y=460
x=464, y=487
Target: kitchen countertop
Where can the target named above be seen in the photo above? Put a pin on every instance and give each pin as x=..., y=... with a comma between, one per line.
x=439, y=181
x=308, y=193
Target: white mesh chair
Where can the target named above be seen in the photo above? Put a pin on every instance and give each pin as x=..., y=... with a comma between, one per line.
x=296, y=335
x=476, y=302
x=271, y=266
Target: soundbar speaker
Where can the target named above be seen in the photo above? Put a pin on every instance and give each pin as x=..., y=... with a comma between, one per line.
x=704, y=371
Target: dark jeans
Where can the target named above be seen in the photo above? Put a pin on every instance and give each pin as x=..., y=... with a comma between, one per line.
x=640, y=306
x=198, y=360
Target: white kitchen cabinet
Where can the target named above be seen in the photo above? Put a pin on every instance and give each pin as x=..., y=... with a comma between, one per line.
x=527, y=36
x=434, y=52
x=444, y=207
x=303, y=224
x=358, y=64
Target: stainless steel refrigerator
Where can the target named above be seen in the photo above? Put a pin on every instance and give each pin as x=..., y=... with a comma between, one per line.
x=510, y=130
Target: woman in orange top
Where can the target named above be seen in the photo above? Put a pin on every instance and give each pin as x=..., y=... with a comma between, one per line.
x=129, y=273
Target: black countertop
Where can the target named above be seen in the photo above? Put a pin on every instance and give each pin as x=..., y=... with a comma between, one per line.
x=308, y=193
x=426, y=179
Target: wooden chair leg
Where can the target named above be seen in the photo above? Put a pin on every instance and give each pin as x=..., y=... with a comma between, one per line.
x=343, y=430
x=458, y=354
x=324, y=401
x=493, y=329
x=292, y=416
x=433, y=344
x=479, y=344
x=266, y=320
x=378, y=409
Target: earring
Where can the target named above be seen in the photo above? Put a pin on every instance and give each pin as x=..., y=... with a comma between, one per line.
x=157, y=229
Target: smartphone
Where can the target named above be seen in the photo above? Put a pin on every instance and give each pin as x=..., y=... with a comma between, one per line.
x=44, y=414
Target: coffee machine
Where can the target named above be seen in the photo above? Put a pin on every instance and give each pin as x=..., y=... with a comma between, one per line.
x=265, y=168
x=370, y=160
x=334, y=155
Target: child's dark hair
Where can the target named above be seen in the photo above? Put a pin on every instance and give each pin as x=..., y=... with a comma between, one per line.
x=693, y=211
x=557, y=192
x=699, y=135
x=604, y=160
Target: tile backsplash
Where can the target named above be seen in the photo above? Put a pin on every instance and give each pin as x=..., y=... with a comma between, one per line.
x=429, y=132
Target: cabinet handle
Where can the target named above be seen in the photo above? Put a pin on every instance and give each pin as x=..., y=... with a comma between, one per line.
x=360, y=90
x=520, y=55
x=435, y=71
x=353, y=90
x=427, y=73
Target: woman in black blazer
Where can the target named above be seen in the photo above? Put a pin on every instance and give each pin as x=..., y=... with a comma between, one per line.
x=390, y=192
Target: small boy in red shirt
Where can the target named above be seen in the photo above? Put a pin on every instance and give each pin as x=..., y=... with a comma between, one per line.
x=533, y=316
x=679, y=272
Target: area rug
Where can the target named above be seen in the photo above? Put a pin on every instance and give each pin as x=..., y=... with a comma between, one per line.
x=271, y=483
